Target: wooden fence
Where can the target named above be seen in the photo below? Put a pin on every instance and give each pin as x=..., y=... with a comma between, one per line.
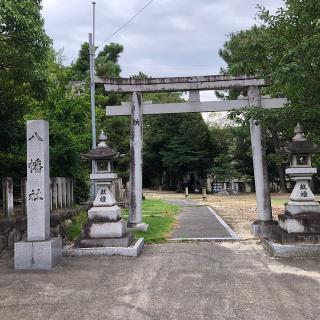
x=61, y=192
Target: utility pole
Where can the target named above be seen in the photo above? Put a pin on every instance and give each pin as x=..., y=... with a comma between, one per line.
x=92, y=93
x=92, y=51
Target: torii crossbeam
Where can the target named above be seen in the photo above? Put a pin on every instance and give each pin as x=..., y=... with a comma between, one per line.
x=264, y=222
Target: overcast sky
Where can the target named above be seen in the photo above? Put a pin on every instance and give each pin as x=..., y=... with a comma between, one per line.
x=169, y=38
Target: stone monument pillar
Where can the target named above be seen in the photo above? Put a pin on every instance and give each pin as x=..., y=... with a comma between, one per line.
x=39, y=251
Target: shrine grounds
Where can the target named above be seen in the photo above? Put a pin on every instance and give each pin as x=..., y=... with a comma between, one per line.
x=184, y=281
x=180, y=280
x=238, y=211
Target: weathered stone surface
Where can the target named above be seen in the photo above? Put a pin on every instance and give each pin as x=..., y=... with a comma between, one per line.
x=38, y=255
x=262, y=229
x=212, y=82
x=182, y=107
x=104, y=197
x=259, y=160
x=105, y=229
x=124, y=241
x=138, y=227
x=132, y=251
x=279, y=250
x=38, y=180
x=136, y=136
x=110, y=213
x=59, y=220
x=300, y=223
x=301, y=207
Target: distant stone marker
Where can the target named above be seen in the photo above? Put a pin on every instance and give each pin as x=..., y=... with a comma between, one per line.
x=39, y=251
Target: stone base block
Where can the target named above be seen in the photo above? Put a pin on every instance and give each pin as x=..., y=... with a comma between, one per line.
x=283, y=237
x=302, y=223
x=262, y=229
x=105, y=229
x=104, y=213
x=132, y=251
x=302, y=207
x=138, y=227
x=290, y=250
x=37, y=255
x=125, y=241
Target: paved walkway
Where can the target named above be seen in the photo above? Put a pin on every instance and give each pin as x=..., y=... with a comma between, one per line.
x=197, y=222
x=173, y=281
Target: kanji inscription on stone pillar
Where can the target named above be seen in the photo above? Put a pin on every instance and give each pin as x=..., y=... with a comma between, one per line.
x=38, y=180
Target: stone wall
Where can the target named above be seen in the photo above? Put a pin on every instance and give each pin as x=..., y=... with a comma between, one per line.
x=13, y=229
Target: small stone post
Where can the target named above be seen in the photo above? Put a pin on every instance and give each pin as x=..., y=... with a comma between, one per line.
x=135, y=202
x=186, y=192
x=38, y=252
x=204, y=194
x=263, y=225
x=7, y=192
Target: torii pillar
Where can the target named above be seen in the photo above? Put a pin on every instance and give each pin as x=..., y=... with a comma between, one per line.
x=136, y=141
x=264, y=224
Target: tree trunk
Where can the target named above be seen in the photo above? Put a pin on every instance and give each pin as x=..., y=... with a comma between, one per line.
x=280, y=167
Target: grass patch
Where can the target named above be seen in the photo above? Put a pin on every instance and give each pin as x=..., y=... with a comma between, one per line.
x=160, y=216
x=278, y=201
x=75, y=229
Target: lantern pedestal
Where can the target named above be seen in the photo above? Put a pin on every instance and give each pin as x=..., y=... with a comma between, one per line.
x=302, y=212
x=293, y=208
x=105, y=228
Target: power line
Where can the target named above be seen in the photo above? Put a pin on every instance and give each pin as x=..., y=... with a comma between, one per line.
x=126, y=23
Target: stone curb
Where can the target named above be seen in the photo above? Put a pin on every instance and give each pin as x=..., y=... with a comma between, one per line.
x=202, y=239
x=278, y=250
x=233, y=235
x=132, y=251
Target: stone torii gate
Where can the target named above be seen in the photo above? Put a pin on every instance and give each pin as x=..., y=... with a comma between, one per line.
x=137, y=108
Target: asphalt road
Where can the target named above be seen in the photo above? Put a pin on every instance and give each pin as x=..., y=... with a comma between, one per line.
x=170, y=281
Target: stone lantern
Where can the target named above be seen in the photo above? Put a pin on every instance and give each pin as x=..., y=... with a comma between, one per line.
x=105, y=227
x=301, y=209
x=102, y=159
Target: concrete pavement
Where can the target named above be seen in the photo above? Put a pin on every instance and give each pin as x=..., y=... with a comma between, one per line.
x=199, y=223
x=184, y=281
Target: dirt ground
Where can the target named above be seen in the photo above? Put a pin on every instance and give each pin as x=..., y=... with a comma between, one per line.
x=237, y=211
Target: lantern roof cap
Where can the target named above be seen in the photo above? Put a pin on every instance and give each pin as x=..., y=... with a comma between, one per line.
x=299, y=133
x=300, y=144
x=103, y=151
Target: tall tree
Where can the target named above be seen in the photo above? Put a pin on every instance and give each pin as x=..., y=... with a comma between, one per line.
x=24, y=49
x=284, y=48
x=81, y=67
